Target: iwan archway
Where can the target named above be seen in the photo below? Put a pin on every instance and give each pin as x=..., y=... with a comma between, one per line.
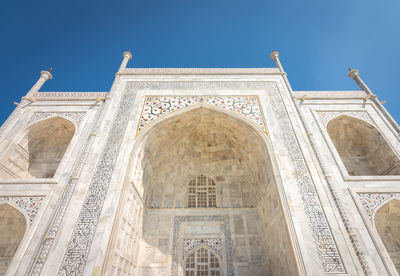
x=202, y=178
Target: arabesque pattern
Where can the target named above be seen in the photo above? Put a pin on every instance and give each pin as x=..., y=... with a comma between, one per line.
x=156, y=106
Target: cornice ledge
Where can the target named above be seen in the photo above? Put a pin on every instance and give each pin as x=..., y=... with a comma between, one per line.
x=201, y=71
x=70, y=95
x=330, y=94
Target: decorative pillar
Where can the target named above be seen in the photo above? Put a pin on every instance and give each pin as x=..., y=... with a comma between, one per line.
x=355, y=75
x=45, y=75
x=328, y=179
x=127, y=57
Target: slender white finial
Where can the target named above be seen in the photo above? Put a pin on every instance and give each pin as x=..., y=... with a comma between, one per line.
x=44, y=76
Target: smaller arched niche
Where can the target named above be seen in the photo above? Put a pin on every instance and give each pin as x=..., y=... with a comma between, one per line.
x=202, y=261
x=12, y=230
x=362, y=148
x=387, y=223
x=39, y=152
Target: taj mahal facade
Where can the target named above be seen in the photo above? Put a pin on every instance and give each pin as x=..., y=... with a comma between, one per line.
x=200, y=171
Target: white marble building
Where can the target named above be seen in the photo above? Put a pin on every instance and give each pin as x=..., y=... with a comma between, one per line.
x=195, y=171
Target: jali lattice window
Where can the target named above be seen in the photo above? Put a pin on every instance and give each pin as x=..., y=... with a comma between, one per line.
x=202, y=262
x=202, y=192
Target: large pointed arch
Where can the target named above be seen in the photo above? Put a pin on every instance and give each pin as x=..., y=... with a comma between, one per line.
x=362, y=148
x=203, y=140
x=13, y=225
x=39, y=152
x=387, y=224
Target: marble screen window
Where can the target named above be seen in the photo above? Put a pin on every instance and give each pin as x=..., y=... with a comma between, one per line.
x=202, y=262
x=202, y=192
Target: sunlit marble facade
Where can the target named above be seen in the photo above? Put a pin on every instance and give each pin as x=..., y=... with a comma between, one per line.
x=196, y=171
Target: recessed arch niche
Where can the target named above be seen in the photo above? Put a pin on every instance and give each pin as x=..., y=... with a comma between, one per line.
x=362, y=148
x=39, y=152
x=12, y=230
x=207, y=142
x=387, y=223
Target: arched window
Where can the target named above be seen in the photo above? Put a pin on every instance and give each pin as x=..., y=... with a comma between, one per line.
x=12, y=230
x=40, y=151
x=202, y=192
x=202, y=262
x=387, y=222
x=362, y=148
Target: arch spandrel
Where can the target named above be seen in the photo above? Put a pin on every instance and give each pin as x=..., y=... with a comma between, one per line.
x=155, y=107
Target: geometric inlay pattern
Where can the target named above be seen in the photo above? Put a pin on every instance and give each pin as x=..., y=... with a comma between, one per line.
x=156, y=106
x=371, y=201
x=29, y=204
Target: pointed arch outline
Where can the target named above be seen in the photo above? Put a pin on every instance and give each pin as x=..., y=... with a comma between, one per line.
x=364, y=123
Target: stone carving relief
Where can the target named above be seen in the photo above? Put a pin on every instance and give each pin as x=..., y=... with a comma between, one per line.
x=215, y=244
x=156, y=106
x=326, y=116
x=75, y=117
x=371, y=201
x=29, y=204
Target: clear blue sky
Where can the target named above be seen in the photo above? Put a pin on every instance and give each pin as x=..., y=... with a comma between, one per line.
x=83, y=41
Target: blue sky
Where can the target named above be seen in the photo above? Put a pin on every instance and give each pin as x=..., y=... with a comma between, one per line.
x=83, y=41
